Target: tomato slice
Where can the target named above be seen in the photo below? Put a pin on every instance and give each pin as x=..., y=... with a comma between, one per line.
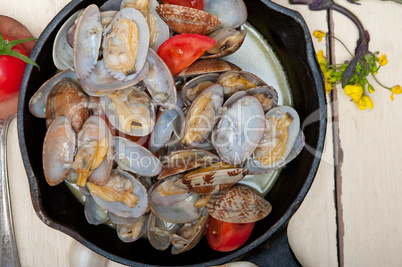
x=198, y=4
x=224, y=236
x=180, y=51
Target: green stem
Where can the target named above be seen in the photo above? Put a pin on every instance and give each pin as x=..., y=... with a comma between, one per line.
x=386, y=87
x=341, y=44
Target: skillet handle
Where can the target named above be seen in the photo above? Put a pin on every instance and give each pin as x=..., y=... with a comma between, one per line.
x=275, y=252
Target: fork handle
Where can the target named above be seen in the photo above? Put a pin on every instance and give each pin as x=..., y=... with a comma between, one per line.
x=8, y=250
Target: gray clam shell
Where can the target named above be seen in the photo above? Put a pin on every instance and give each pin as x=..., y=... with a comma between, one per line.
x=132, y=231
x=62, y=51
x=94, y=213
x=232, y=13
x=159, y=81
x=240, y=130
x=135, y=158
x=87, y=40
x=143, y=32
x=120, y=208
x=212, y=77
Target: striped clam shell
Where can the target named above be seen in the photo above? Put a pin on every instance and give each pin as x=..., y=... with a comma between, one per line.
x=238, y=204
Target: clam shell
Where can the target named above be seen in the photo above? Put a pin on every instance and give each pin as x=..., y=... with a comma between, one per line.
x=111, y=5
x=204, y=66
x=136, y=105
x=37, y=103
x=180, y=212
x=182, y=244
x=164, y=126
x=231, y=13
x=159, y=81
x=120, y=208
x=189, y=97
x=62, y=51
x=143, y=32
x=135, y=158
x=95, y=128
x=226, y=78
x=87, y=40
x=93, y=212
x=159, y=232
x=58, y=150
x=267, y=90
x=293, y=132
x=228, y=41
x=157, y=199
x=100, y=82
x=238, y=204
x=183, y=19
x=66, y=99
x=184, y=160
x=239, y=130
x=131, y=232
x=212, y=182
x=210, y=120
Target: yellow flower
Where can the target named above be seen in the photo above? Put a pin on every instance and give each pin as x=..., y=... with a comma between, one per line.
x=354, y=91
x=383, y=60
x=327, y=72
x=319, y=34
x=397, y=90
x=364, y=102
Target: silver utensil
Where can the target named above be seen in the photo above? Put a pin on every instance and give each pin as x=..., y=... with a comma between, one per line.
x=8, y=249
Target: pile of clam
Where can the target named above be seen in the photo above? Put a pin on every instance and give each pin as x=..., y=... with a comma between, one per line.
x=152, y=153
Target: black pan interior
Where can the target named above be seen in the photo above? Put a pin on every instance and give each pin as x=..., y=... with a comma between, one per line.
x=287, y=33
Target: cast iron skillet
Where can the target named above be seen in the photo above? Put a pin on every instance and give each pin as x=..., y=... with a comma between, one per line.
x=287, y=33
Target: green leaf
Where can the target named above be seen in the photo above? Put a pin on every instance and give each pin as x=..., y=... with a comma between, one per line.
x=22, y=57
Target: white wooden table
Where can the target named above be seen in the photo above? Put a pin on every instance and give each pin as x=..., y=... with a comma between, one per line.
x=350, y=217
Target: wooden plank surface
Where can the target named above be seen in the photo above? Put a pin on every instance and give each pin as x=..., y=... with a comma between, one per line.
x=370, y=169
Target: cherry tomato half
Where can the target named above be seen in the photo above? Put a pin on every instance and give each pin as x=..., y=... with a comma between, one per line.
x=179, y=51
x=11, y=72
x=198, y=4
x=224, y=236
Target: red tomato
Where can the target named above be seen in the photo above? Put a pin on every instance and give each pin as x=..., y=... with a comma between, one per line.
x=179, y=51
x=11, y=71
x=224, y=236
x=198, y=4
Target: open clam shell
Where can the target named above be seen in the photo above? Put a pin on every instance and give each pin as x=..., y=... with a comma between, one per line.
x=159, y=81
x=95, y=128
x=121, y=209
x=62, y=51
x=183, y=19
x=159, y=232
x=94, y=213
x=133, y=231
x=266, y=94
x=202, y=116
x=180, y=161
x=272, y=135
x=164, y=126
x=135, y=158
x=234, y=81
x=239, y=131
x=58, y=150
x=130, y=111
x=37, y=103
x=126, y=14
x=87, y=40
x=180, y=212
x=100, y=82
x=238, y=204
x=167, y=185
x=231, y=13
x=228, y=41
x=193, y=87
